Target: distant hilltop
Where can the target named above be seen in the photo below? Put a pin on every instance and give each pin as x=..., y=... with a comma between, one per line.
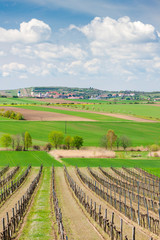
x=78, y=93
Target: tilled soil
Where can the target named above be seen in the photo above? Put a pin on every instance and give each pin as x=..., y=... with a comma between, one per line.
x=33, y=115
x=116, y=115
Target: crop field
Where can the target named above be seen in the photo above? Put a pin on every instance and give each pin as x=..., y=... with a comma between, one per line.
x=91, y=201
x=92, y=132
x=139, y=110
x=81, y=198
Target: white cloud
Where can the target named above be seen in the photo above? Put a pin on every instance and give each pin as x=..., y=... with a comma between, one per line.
x=49, y=51
x=12, y=68
x=92, y=65
x=115, y=31
x=29, y=32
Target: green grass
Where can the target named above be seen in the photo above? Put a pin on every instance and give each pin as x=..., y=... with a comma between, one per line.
x=6, y=119
x=10, y=101
x=139, y=110
x=139, y=133
x=39, y=220
x=92, y=116
x=106, y=162
x=34, y=159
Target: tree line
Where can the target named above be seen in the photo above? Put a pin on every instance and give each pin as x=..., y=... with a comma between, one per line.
x=11, y=114
x=110, y=140
x=22, y=142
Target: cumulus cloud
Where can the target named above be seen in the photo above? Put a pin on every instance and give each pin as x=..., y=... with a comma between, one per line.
x=29, y=32
x=115, y=31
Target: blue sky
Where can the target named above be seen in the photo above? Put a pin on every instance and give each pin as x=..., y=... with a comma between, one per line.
x=113, y=45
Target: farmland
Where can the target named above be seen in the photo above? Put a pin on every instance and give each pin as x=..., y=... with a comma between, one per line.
x=39, y=215
x=89, y=198
x=139, y=133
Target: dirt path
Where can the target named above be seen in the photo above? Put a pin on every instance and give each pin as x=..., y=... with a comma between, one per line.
x=75, y=222
x=116, y=115
x=38, y=224
x=33, y=115
x=128, y=224
x=10, y=203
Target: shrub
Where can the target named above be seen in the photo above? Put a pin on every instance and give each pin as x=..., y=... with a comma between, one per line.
x=18, y=148
x=47, y=147
x=19, y=116
x=154, y=148
x=36, y=147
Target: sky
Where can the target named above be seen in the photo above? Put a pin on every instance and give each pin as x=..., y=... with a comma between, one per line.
x=104, y=44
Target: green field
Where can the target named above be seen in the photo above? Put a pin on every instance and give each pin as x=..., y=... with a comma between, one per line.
x=139, y=133
x=34, y=159
x=92, y=116
x=106, y=162
x=139, y=110
x=9, y=101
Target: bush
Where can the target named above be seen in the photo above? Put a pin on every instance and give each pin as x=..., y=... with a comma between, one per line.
x=47, y=147
x=36, y=147
x=19, y=116
x=154, y=148
x=19, y=148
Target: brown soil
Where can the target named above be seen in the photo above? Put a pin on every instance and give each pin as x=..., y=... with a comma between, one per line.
x=33, y=115
x=128, y=224
x=116, y=115
x=75, y=223
x=10, y=203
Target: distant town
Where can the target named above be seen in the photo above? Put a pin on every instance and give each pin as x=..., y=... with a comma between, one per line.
x=80, y=93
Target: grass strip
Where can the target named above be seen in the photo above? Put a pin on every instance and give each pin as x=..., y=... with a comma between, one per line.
x=39, y=222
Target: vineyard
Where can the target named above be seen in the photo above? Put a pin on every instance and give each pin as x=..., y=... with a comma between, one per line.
x=79, y=203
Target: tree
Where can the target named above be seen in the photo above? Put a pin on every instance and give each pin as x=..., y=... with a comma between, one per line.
x=111, y=138
x=23, y=140
x=13, y=142
x=118, y=142
x=68, y=141
x=28, y=140
x=56, y=138
x=6, y=140
x=78, y=142
x=103, y=141
x=125, y=141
